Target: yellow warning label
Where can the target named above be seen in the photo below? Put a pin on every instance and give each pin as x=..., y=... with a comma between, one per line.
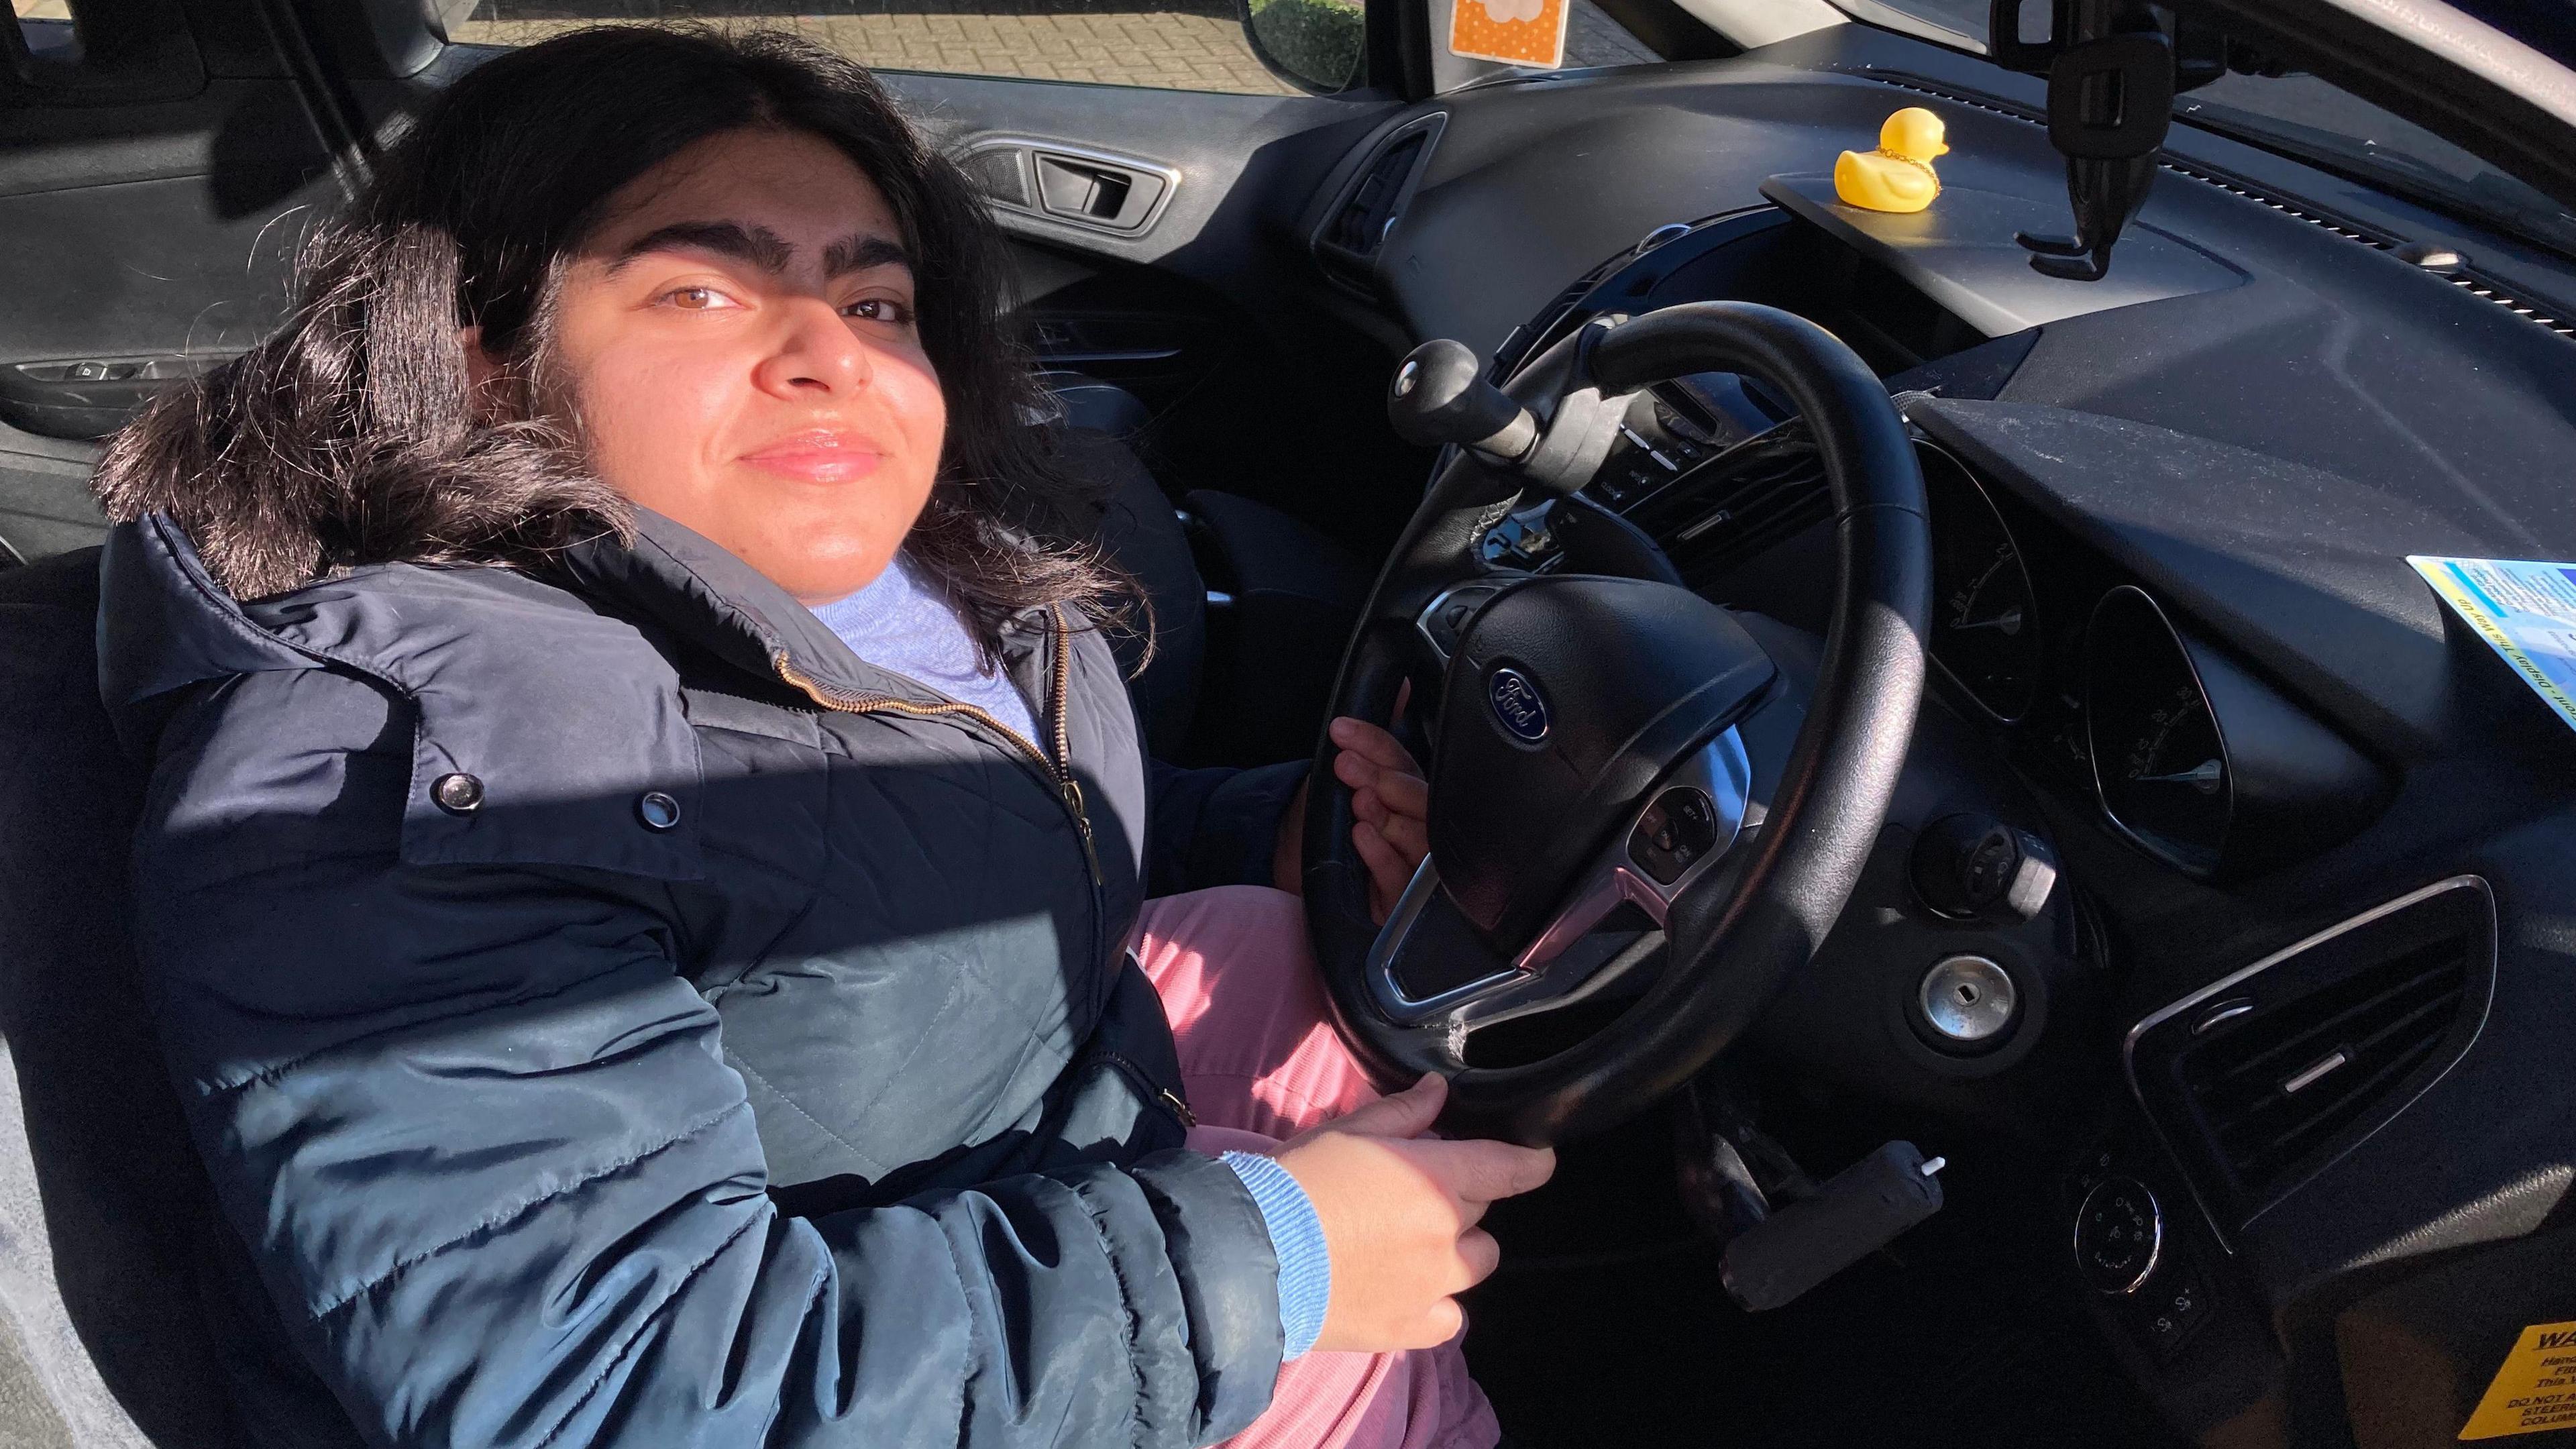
x=2536, y=1388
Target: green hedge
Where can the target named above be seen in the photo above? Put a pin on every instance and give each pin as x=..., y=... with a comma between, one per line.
x=1316, y=40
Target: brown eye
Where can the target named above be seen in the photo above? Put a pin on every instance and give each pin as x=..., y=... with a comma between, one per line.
x=697, y=299
x=880, y=309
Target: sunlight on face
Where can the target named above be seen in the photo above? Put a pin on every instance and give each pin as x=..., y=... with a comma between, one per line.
x=742, y=348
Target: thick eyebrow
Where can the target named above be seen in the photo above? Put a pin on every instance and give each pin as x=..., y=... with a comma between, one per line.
x=764, y=248
x=858, y=253
x=757, y=245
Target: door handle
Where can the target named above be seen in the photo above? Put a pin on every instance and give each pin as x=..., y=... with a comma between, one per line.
x=1085, y=188
x=1096, y=193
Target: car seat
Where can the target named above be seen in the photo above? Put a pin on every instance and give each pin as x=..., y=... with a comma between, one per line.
x=1137, y=527
x=102, y=1337
x=1277, y=583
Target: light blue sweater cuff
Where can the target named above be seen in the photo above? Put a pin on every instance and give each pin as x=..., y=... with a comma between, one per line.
x=1297, y=1240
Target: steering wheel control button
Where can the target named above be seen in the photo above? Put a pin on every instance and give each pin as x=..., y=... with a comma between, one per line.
x=1518, y=704
x=2119, y=1236
x=457, y=793
x=1974, y=866
x=1676, y=830
x=658, y=811
x=1968, y=1001
x=1444, y=621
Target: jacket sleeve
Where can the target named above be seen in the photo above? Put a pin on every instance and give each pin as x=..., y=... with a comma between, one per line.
x=1215, y=826
x=481, y=1142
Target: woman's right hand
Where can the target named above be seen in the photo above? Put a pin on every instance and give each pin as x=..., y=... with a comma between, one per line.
x=1399, y=1212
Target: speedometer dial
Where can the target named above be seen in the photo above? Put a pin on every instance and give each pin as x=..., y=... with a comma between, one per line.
x=2159, y=762
x=1985, y=624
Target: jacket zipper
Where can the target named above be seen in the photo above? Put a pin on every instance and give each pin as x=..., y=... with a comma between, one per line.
x=1169, y=1100
x=1058, y=768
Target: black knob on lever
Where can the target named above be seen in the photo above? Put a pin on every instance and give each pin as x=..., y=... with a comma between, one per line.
x=1440, y=396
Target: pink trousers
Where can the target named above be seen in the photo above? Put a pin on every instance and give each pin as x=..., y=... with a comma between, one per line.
x=1261, y=1063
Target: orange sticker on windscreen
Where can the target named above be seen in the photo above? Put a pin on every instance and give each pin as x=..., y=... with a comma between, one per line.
x=1515, y=32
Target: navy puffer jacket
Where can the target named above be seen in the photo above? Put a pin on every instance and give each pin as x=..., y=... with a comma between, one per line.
x=613, y=1013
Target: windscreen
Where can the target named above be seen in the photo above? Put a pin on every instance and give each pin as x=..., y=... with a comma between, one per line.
x=2314, y=121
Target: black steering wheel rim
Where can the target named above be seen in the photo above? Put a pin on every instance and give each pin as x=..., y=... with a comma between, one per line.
x=1729, y=950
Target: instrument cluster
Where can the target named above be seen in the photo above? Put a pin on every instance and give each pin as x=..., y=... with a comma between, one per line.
x=2188, y=753
x=1985, y=615
x=2106, y=699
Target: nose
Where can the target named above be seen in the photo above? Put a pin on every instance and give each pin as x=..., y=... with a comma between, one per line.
x=814, y=354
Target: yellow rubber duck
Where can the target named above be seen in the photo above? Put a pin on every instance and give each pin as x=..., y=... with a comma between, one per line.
x=1898, y=176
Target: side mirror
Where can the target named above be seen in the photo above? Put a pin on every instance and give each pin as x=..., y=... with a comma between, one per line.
x=1315, y=45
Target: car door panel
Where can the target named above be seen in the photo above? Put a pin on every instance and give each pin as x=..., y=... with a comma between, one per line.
x=1214, y=314
x=150, y=242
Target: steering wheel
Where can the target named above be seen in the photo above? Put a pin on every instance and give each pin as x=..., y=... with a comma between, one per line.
x=1585, y=739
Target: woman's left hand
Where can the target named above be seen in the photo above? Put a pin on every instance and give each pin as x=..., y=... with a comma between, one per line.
x=1393, y=805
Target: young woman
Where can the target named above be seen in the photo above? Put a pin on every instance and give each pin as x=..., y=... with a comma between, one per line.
x=646, y=839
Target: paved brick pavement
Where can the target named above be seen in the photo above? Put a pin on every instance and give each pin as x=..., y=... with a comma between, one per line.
x=1172, y=51
x=1030, y=39
x=1593, y=38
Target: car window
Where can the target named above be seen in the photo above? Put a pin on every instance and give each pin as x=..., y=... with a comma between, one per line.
x=46, y=28
x=1959, y=23
x=1189, y=45
x=2307, y=118
x=1594, y=36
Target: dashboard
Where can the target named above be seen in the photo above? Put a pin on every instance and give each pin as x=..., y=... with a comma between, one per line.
x=2293, y=1010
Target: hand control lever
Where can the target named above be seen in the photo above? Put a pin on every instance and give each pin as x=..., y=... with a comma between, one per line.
x=1440, y=397
x=1856, y=1213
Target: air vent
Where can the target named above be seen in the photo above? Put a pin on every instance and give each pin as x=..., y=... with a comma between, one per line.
x=1756, y=494
x=2264, y=1080
x=1359, y=225
x=2238, y=186
x=1553, y=321
x=1356, y=228
x=2480, y=285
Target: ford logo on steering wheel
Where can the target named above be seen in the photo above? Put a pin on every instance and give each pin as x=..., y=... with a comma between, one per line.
x=1518, y=704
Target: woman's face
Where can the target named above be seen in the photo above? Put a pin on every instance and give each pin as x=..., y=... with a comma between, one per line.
x=741, y=343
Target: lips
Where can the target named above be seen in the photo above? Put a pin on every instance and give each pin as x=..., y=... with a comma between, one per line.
x=823, y=455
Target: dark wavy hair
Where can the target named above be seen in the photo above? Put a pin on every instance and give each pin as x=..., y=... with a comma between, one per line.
x=354, y=436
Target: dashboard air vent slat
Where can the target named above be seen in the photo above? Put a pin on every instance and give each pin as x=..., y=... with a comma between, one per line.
x=1355, y=228
x=1359, y=227
x=2345, y=1029
x=2264, y=1109
x=1736, y=504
